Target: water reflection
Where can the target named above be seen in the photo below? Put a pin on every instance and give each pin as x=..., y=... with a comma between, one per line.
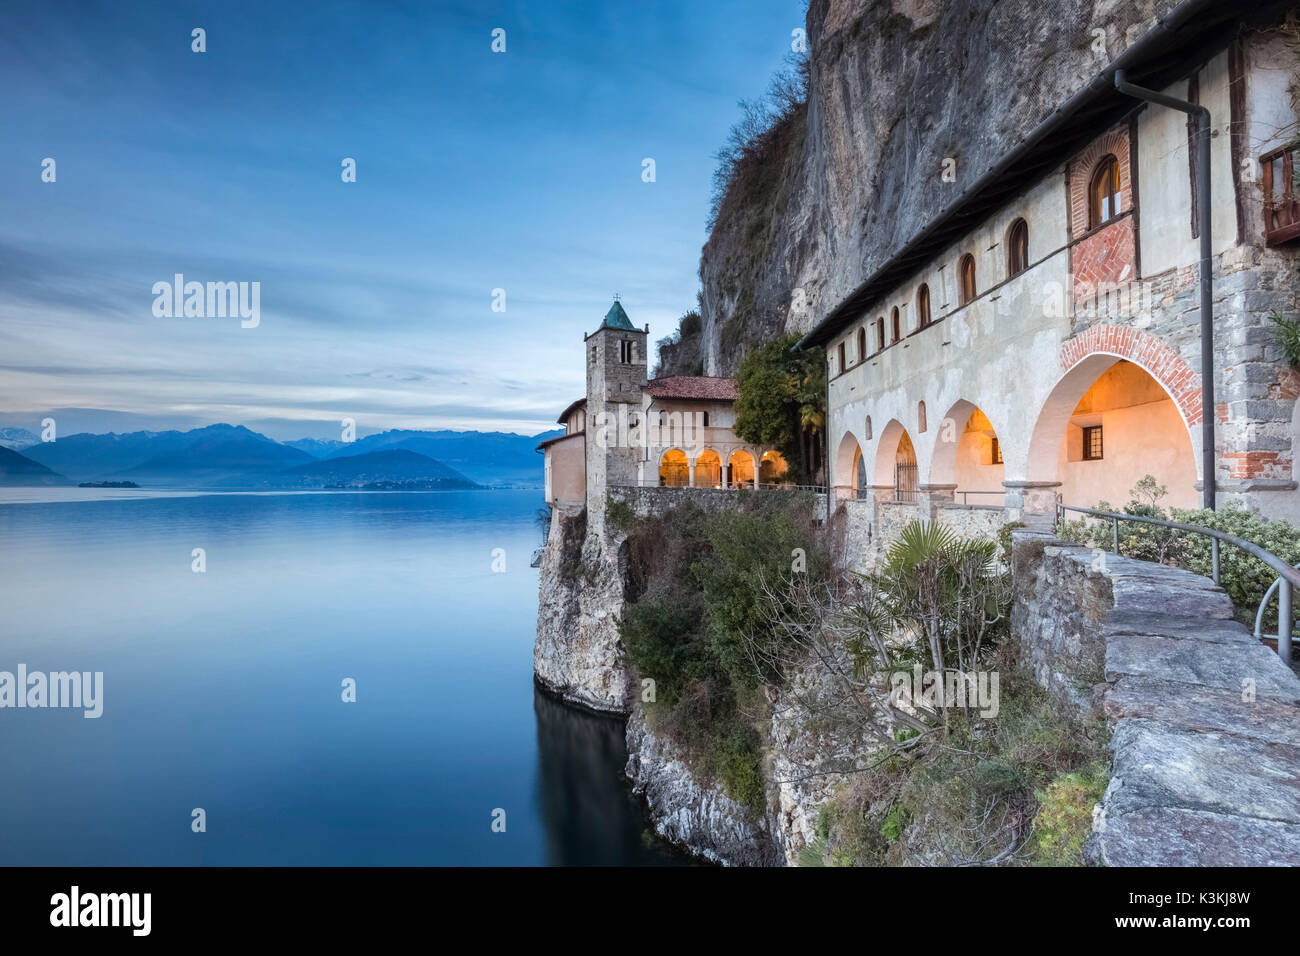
x=588, y=813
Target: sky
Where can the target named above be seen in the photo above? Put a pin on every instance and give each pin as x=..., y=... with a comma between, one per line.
x=476, y=171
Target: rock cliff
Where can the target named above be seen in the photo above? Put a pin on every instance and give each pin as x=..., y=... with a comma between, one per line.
x=896, y=88
x=577, y=653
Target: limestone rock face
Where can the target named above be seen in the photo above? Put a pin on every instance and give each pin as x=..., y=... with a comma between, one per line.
x=896, y=88
x=814, y=750
x=577, y=654
x=689, y=812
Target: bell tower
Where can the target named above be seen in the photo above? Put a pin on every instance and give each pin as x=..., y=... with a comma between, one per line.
x=616, y=375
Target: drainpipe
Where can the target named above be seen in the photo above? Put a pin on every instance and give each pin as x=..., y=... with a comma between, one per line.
x=1202, y=117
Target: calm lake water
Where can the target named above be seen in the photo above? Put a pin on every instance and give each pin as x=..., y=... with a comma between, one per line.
x=222, y=690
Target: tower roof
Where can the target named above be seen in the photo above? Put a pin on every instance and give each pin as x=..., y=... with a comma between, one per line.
x=616, y=318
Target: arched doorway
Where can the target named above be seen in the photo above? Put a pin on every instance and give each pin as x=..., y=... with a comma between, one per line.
x=771, y=468
x=1105, y=425
x=740, y=469
x=968, y=457
x=847, y=464
x=674, y=471
x=708, y=470
x=896, y=465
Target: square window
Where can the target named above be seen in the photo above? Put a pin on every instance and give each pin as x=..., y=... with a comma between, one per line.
x=1092, y=446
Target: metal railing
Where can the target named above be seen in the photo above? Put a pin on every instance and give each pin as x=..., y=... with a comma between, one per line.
x=964, y=500
x=1288, y=577
x=720, y=486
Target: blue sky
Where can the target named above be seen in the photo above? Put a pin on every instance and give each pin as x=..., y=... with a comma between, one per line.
x=475, y=171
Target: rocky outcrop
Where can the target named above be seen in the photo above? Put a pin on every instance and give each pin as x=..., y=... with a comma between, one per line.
x=1206, y=767
x=577, y=654
x=884, y=115
x=814, y=749
x=691, y=813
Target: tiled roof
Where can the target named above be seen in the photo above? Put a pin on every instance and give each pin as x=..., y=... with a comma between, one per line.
x=558, y=438
x=701, y=387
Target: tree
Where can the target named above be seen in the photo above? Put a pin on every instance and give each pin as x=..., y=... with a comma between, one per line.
x=782, y=402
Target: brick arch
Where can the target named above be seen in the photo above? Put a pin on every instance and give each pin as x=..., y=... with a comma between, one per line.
x=1114, y=143
x=1159, y=359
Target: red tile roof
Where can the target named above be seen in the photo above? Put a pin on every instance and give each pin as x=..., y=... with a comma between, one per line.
x=701, y=387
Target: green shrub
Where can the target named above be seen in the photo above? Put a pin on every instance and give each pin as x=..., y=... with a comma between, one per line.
x=1245, y=578
x=619, y=514
x=695, y=602
x=1016, y=789
x=1064, y=817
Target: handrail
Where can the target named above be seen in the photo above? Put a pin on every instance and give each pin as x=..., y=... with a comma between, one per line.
x=1288, y=576
x=1259, y=615
x=964, y=494
x=718, y=486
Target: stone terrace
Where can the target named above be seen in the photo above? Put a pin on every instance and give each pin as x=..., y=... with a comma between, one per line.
x=1205, y=720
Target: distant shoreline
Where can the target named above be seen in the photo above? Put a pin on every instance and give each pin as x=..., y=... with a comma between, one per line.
x=66, y=494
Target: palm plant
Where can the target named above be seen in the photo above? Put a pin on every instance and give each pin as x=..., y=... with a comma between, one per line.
x=946, y=593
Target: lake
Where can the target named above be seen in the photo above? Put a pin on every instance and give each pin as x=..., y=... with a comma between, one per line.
x=222, y=690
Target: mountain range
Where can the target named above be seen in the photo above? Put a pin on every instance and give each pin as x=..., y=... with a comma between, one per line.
x=233, y=456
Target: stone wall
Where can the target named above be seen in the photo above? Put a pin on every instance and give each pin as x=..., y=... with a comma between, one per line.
x=653, y=499
x=972, y=521
x=1204, y=718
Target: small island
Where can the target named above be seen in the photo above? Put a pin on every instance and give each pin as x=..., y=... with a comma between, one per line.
x=108, y=484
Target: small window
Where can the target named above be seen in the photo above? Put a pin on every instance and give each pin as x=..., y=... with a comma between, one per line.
x=1092, y=447
x=1281, y=205
x=997, y=452
x=880, y=332
x=923, y=306
x=705, y=416
x=1017, y=248
x=920, y=417
x=868, y=432
x=1104, y=197
x=625, y=352
x=862, y=345
x=841, y=354
x=965, y=279
x=895, y=326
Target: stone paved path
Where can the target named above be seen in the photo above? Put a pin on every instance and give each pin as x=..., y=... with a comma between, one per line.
x=1203, y=774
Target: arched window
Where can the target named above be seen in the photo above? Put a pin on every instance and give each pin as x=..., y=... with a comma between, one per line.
x=880, y=332
x=862, y=345
x=965, y=279
x=895, y=326
x=923, y=306
x=1017, y=248
x=868, y=431
x=674, y=472
x=1104, y=197
x=920, y=417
